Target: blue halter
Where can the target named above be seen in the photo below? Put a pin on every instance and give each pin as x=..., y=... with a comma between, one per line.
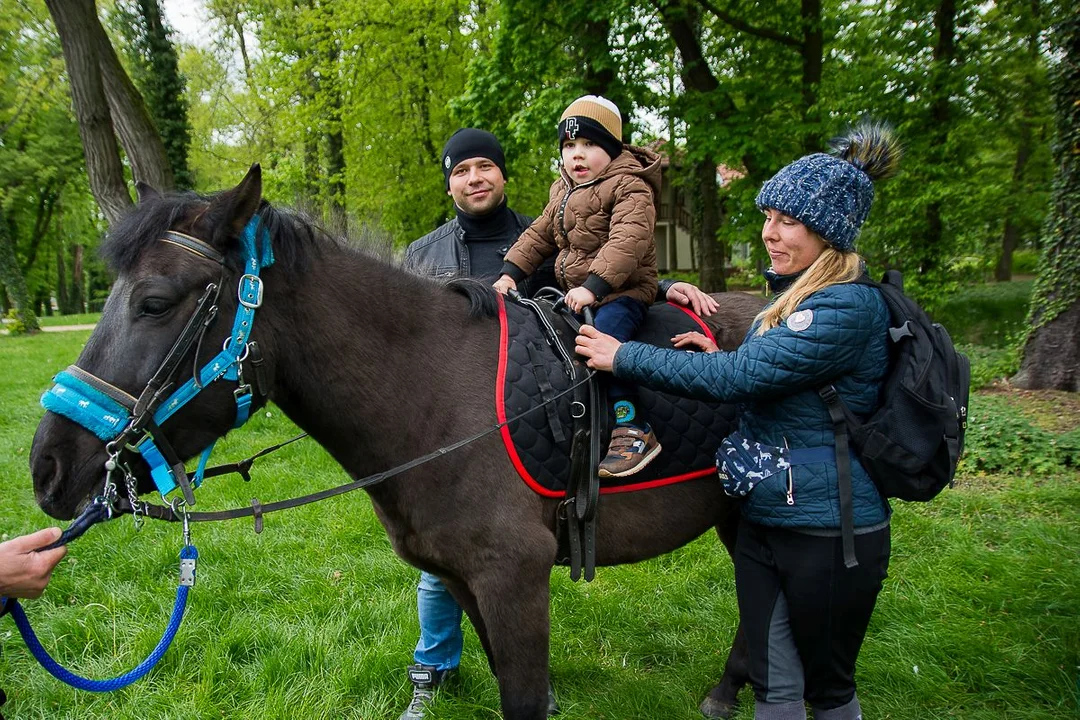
x=111, y=413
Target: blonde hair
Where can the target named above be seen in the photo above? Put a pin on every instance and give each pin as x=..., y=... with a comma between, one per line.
x=831, y=267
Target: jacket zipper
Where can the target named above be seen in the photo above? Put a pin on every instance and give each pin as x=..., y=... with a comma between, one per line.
x=562, y=229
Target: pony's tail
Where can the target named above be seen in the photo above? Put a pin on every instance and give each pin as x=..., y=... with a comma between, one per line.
x=870, y=146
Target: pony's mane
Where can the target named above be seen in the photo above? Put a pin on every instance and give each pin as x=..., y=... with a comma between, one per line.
x=295, y=234
x=297, y=238
x=481, y=296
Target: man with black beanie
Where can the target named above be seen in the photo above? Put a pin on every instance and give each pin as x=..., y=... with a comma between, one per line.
x=472, y=244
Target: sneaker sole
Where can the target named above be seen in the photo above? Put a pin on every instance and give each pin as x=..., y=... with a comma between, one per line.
x=635, y=469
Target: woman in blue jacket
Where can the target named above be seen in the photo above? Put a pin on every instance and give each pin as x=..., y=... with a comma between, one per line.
x=805, y=609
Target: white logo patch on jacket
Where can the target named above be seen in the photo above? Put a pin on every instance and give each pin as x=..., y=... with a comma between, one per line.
x=799, y=321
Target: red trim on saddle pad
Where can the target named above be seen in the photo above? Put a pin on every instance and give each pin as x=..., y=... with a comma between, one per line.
x=511, y=450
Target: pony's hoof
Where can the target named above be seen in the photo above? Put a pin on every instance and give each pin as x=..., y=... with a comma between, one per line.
x=717, y=709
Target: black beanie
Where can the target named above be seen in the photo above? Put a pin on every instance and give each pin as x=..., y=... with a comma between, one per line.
x=469, y=143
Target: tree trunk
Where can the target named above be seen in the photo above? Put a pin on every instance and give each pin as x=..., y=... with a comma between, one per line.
x=1052, y=355
x=131, y=119
x=940, y=117
x=812, y=48
x=73, y=19
x=1052, y=351
x=705, y=222
x=702, y=87
x=63, y=298
x=78, y=281
x=12, y=278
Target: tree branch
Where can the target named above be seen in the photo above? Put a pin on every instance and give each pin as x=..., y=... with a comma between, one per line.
x=743, y=26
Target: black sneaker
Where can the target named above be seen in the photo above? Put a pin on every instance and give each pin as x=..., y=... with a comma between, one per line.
x=425, y=678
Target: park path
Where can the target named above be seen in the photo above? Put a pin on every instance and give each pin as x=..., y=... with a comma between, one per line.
x=60, y=328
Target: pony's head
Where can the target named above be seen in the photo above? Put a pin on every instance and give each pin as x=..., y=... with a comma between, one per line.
x=166, y=254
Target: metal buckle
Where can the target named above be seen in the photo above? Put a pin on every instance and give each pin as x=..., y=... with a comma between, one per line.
x=254, y=284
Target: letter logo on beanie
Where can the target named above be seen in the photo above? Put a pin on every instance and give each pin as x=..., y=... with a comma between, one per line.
x=571, y=129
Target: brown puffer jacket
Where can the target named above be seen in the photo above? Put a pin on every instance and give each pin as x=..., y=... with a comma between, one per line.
x=602, y=230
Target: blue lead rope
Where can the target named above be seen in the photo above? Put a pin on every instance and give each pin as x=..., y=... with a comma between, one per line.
x=188, y=555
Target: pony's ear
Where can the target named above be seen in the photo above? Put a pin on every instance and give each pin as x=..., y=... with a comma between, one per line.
x=230, y=211
x=145, y=192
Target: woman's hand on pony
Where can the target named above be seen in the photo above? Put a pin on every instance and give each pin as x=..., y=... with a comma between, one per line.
x=596, y=347
x=694, y=341
x=687, y=295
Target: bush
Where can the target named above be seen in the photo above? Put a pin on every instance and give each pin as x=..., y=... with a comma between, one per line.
x=1025, y=262
x=1001, y=440
x=14, y=324
x=989, y=364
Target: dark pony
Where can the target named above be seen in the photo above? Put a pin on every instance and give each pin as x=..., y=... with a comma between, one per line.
x=379, y=367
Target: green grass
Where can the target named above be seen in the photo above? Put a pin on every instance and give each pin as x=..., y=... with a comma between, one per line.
x=992, y=314
x=315, y=617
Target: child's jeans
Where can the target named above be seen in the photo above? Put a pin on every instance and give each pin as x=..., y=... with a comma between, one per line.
x=621, y=319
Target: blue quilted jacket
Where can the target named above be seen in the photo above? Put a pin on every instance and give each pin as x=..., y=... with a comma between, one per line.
x=838, y=335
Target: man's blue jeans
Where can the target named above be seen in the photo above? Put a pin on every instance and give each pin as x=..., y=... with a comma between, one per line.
x=440, y=624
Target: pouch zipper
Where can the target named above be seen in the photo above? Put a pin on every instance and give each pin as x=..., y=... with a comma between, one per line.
x=790, y=477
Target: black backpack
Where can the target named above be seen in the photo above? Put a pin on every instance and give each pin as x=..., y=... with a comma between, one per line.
x=911, y=444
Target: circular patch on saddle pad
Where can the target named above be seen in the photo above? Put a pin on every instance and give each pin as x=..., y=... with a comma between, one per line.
x=799, y=321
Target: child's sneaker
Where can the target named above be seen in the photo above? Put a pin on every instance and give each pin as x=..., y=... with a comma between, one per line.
x=630, y=450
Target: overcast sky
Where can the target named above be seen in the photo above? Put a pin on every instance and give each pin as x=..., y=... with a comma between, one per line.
x=186, y=17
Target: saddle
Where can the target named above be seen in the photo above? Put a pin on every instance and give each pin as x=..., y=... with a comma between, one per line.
x=556, y=449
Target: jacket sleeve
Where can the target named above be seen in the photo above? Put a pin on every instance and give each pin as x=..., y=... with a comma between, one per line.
x=777, y=363
x=633, y=222
x=411, y=262
x=535, y=245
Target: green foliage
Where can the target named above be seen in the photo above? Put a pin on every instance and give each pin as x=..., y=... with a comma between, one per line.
x=989, y=365
x=1025, y=262
x=1002, y=439
x=155, y=72
x=991, y=314
x=14, y=324
x=316, y=617
x=45, y=200
x=1056, y=288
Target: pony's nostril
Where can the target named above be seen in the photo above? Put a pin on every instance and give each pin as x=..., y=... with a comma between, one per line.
x=48, y=475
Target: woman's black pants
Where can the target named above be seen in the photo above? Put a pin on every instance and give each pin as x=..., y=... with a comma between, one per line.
x=804, y=613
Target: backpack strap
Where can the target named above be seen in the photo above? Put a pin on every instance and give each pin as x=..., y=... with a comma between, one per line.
x=836, y=409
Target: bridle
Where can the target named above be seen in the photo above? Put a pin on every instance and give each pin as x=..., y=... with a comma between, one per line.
x=121, y=420
x=124, y=421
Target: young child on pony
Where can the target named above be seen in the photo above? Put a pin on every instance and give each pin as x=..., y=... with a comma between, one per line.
x=600, y=219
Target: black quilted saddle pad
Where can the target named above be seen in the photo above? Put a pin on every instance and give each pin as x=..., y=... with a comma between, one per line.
x=689, y=431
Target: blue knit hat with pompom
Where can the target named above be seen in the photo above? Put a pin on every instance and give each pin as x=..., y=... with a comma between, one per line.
x=831, y=193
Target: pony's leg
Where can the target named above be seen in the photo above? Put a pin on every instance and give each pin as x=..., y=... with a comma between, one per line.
x=512, y=599
x=508, y=607
x=467, y=601
x=722, y=700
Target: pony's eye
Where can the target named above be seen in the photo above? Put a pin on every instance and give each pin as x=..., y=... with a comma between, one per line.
x=154, y=307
